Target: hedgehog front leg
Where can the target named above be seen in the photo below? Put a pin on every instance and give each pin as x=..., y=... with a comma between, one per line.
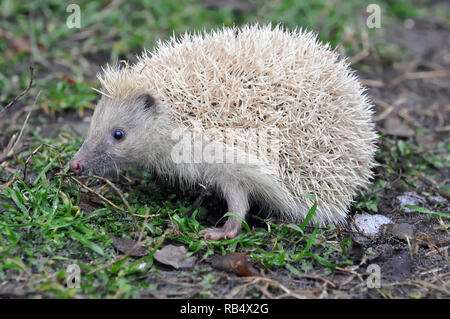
x=237, y=202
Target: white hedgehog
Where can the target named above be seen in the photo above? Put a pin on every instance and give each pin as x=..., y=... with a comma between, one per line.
x=278, y=92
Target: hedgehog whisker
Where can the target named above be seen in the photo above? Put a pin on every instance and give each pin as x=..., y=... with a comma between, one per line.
x=114, y=162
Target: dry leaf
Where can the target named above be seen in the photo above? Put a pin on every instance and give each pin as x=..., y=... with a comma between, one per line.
x=174, y=256
x=234, y=263
x=401, y=231
x=124, y=245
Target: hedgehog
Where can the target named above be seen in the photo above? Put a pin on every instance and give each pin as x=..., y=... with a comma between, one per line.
x=262, y=115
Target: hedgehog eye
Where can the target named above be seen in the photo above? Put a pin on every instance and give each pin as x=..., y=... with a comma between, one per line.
x=118, y=134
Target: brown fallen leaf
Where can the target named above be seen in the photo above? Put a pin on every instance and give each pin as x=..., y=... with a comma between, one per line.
x=174, y=256
x=234, y=263
x=401, y=231
x=124, y=245
x=444, y=194
x=394, y=126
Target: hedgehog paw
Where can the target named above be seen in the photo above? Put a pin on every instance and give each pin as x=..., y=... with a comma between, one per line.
x=219, y=233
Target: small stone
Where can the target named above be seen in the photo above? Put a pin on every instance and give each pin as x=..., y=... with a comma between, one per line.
x=369, y=225
x=409, y=198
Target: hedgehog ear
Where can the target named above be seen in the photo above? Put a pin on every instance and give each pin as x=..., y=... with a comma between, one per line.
x=149, y=101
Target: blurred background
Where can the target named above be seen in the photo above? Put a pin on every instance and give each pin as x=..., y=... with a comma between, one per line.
x=67, y=59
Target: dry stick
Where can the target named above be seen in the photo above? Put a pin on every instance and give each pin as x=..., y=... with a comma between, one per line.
x=427, y=74
x=382, y=103
x=400, y=78
x=21, y=94
x=7, y=184
x=427, y=285
x=25, y=122
x=7, y=158
x=351, y=272
x=387, y=109
x=11, y=150
x=20, y=133
x=28, y=159
x=100, y=196
x=327, y=281
x=360, y=56
x=136, y=246
x=32, y=154
x=255, y=280
x=420, y=75
x=373, y=83
x=114, y=187
x=425, y=239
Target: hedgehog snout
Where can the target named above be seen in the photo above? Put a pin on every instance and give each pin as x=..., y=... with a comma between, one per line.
x=76, y=166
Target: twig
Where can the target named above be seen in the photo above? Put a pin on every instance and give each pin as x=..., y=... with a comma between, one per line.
x=24, y=123
x=7, y=184
x=404, y=114
x=102, y=197
x=442, y=128
x=427, y=74
x=329, y=282
x=114, y=187
x=28, y=160
x=425, y=239
x=21, y=132
x=428, y=286
x=350, y=272
x=382, y=103
x=254, y=280
x=373, y=83
x=99, y=195
x=383, y=114
x=420, y=76
x=387, y=109
x=411, y=66
x=21, y=94
x=360, y=56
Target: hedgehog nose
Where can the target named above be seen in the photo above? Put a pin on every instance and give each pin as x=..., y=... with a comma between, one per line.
x=76, y=166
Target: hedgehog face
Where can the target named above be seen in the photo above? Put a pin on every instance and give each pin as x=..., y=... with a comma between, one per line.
x=116, y=128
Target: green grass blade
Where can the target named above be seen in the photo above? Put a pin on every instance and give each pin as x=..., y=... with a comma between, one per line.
x=239, y=218
x=310, y=213
x=426, y=211
x=87, y=243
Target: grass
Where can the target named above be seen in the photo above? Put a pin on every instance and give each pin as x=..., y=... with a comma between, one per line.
x=48, y=222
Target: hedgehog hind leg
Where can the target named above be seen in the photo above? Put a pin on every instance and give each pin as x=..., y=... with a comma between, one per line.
x=237, y=201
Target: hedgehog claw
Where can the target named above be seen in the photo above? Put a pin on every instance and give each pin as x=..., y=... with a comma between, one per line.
x=219, y=233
